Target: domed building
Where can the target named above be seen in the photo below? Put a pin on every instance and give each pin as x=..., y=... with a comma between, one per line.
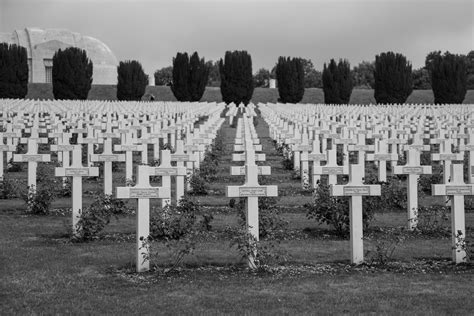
x=42, y=44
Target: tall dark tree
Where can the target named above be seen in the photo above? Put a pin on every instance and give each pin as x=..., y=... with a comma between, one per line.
x=131, y=81
x=236, y=77
x=449, y=78
x=393, y=78
x=72, y=74
x=290, y=77
x=190, y=76
x=470, y=69
x=198, y=77
x=337, y=82
x=13, y=71
x=164, y=76
x=181, y=77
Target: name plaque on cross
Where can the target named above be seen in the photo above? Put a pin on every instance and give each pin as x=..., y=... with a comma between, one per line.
x=165, y=172
x=6, y=147
x=332, y=170
x=360, y=147
x=382, y=157
x=252, y=191
x=145, y=193
x=71, y=172
x=356, y=190
x=129, y=147
x=107, y=157
x=304, y=148
x=412, y=170
x=26, y=158
x=178, y=157
x=448, y=157
x=10, y=135
x=459, y=190
x=316, y=157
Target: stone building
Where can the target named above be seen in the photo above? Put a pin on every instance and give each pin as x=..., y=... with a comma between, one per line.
x=42, y=44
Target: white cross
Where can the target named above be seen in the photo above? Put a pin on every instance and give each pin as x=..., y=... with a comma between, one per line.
x=356, y=189
x=76, y=170
x=457, y=189
x=143, y=191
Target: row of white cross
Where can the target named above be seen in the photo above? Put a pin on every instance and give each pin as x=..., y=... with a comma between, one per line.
x=247, y=141
x=453, y=185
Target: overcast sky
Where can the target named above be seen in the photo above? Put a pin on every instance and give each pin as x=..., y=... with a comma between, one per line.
x=152, y=32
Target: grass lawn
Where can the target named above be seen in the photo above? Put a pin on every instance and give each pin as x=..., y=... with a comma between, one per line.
x=44, y=91
x=42, y=272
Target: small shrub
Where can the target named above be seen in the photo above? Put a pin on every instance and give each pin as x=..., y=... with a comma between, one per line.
x=384, y=246
x=264, y=252
x=334, y=211
x=198, y=183
x=97, y=216
x=270, y=222
x=464, y=244
x=433, y=220
x=10, y=188
x=180, y=227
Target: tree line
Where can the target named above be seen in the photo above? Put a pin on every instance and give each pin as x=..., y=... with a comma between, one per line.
x=390, y=75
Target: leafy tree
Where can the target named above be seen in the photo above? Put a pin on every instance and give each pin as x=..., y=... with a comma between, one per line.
x=214, y=76
x=13, y=71
x=290, y=77
x=181, y=77
x=449, y=78
x=337, y=82
x=421, y=79
x=236, y=77
x=262, y=78
x=198, y=77
x=363, y=75
x=131, y=81
x=393, y=78
x=164, y=76
x=72, y=74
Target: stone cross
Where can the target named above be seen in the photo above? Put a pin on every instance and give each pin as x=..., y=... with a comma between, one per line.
x=180, y=157
x=382, y=156
x=331, y=168
x=76, y=170
x=304, y=148
x=251, y=190
x=32, y=157
x=165, y=170
x=316, y=157
x=413, y=169
x=128, y=147
x=446, y=156
x=355, y=189
x=361, y=148
x=143, y=191
x=457, y=189
x=107, y=157
x=4, y=148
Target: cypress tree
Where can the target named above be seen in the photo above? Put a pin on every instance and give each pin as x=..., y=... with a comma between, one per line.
x=72, y=74
x=13, y=71
x=290, y=77
x=236, y=77
x=181, y=77
x=393, y=78
x=198, y=76
x=131, y=81
x=449, y=78
x=337, y=82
